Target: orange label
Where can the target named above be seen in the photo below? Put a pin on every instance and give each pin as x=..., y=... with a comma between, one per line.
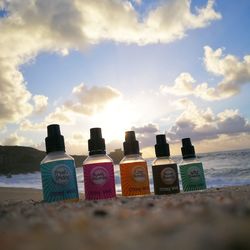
x=134, y=178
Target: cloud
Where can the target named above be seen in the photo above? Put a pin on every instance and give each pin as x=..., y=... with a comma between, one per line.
x=86, y=101
x=14, y=139
x=41, y=103
x=171, y=20
x=146, y=129
x=14, y=101
x=183, y=85
x=202, y=124
x=138, y=2
x=27, y=125
x=234, y=72
x=77, y=143
x=61, y=26
x=90, y=100
x=146, y=134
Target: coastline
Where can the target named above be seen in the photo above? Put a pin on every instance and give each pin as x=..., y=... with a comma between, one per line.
x=217, y=218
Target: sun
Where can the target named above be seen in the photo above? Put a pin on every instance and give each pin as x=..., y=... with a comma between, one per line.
x=117, y=117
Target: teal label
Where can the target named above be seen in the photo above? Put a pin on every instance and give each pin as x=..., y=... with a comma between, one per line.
x=193, y=177
x=59, y=180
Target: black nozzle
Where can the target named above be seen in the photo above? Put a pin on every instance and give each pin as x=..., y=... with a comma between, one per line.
x=54, y=141
x=131, y=145
x=187, y=149
x=161, y=146
x=96, y=143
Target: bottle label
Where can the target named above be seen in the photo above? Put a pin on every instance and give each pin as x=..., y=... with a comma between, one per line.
x=139, y=173
x=59, y=180
x=99, y=181
x=166, y=179
x=134, y=178
x=192, y=176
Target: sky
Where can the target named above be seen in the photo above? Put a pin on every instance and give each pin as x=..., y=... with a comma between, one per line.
x=174, y=67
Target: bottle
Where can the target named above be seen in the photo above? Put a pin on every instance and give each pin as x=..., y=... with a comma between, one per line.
x=164, y=169
x=133, y=168
x=98, y=169
x=58, y=169
x=191, y=169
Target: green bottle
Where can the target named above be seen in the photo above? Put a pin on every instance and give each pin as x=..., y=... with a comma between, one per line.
x=191, y=169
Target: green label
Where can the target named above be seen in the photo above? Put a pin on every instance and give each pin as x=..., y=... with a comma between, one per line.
x=192, y=176
x=59, y=180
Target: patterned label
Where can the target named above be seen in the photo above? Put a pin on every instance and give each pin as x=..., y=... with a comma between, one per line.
x=139, y=173
x=99, y=181
x=165, y=179
x=134, y=178
x=59, y=180
x=192, y=176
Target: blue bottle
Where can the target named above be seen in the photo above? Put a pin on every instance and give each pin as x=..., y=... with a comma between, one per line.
x=58, y=169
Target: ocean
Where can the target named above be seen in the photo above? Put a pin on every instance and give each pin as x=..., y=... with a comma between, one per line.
x=230, y=168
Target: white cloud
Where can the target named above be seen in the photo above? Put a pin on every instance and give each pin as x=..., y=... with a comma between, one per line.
x=14, y=100
x=183, y=85
x=204, y=124
x=27, y=125
x=234, y=72
x=171, y=20
x=90, y=100
x=32, y=27
x=41, y=103
x=15, y=139
x=138, y=2
x=76, y=143
x=86, y=101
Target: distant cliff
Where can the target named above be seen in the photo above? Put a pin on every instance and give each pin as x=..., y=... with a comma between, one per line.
x=18, y=159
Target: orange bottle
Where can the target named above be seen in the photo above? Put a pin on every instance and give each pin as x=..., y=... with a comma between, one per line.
x=133, y=168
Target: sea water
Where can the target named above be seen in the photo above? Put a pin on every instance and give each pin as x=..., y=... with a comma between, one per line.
x=222, y=169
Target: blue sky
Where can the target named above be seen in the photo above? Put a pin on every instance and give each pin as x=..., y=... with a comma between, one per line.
x=129, y=78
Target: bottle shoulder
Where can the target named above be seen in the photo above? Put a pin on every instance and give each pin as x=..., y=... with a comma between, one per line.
x=163, y=161
x=189, y=161
x=56, y=156
x=97, y=159
x=132, y=158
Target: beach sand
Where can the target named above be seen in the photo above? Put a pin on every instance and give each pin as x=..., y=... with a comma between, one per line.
x=212, y=219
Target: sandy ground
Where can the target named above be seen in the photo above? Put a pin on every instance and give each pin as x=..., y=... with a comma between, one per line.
x=212, y=219
x=15, y=194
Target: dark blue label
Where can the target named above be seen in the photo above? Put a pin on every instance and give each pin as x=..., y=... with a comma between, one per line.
x=59, y=180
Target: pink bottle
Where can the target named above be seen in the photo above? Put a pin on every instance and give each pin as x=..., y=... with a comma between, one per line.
x=98, y=169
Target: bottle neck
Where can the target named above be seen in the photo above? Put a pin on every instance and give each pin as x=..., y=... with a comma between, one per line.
x=57, y=152
x=97, y=152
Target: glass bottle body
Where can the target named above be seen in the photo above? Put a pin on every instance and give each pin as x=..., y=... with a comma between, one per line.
x=192, y=174
x=134, y=175
x=165, y=176
x=99, y=178
x=59, y=180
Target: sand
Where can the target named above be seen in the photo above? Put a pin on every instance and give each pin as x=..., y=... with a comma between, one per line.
x=212, y=219
x=19, y=194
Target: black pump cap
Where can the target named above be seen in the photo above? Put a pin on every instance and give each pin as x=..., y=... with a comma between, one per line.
x=96, y=143
x=187, y=149
x=131, y=145
x=161, y=146
x=54, y=141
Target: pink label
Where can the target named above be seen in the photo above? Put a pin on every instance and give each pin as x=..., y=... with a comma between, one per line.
x=99, y=181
